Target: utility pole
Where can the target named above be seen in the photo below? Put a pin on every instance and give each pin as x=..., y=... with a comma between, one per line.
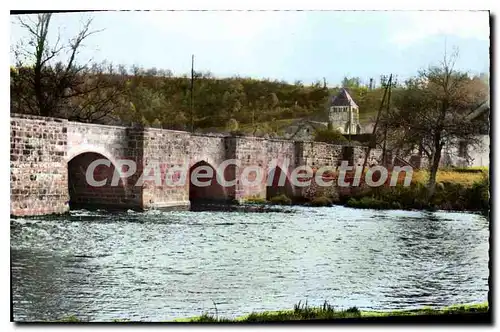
x=377, y=120
x=350, y=124
x=191, y=94
x=384, y=148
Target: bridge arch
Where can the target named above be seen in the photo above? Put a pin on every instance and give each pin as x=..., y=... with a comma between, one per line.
x=84, y=194
x=273, y=187
x=208, y=189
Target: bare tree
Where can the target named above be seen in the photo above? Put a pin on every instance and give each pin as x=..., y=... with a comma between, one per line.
x=48, y=80
x=432, y=112
x=100, y=95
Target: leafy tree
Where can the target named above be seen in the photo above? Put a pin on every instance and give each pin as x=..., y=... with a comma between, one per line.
x=351, y=82
x=431, y=112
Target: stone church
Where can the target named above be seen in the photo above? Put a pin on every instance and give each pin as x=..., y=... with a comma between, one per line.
x=342, y=113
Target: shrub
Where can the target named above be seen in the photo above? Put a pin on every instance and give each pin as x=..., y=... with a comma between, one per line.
x=232, y=125
x=281, y=200
x=411, y=197
x=478, y=196
x=368, y=203
x=353, y=310
x=156, y=123
x=329, y=136
x=321, y=201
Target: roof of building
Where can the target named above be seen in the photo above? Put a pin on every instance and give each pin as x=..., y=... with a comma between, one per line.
x=343, y=98
x=308, y=123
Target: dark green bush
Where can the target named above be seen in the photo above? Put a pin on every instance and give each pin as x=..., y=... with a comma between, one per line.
x=353, y=310
x=321, y=201
x=329, y=136
x=368, y=202
x=478, y=196
x=281, y=200
x=449, y=195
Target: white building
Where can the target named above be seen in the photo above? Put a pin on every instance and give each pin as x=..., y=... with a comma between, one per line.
x=470, y=154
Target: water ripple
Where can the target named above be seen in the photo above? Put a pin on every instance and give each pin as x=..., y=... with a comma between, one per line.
x=162, y=265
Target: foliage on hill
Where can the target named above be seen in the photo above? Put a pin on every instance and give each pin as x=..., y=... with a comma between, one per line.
x=329, y=136
x=109, y=94
x=151, y=97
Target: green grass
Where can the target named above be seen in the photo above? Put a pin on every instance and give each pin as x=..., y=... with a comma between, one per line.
x=255, y=200
x=472, y=169
x=302, y=311
x=70, y=319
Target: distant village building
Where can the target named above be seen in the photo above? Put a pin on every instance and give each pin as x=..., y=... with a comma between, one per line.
x=303, y=129
x=477, y=153
x=342, y=113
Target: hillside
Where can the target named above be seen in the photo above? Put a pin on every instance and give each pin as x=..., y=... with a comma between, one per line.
x=153, y=98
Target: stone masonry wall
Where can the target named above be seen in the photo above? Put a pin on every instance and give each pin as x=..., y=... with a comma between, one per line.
x=285, y=154
x=360, y=153
x=169, y=149
x=250, y=151
x=317, y=154
x=42, y=148
x=38, y=171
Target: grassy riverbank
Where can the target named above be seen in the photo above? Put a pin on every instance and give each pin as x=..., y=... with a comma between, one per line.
x=457, y=190
x=326, y=312
x=465, y=189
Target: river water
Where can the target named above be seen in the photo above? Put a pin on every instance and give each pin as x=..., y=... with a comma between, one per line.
x=158, y=266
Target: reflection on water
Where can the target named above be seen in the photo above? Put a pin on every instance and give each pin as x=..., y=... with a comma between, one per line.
x=157, y=266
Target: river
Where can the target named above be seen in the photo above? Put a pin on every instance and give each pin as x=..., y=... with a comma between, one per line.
x=157, y=266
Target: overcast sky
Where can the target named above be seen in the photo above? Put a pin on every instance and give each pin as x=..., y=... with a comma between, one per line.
x=291, y=46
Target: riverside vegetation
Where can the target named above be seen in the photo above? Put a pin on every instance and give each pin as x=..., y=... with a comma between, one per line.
x=304, y=312
x=458, y=190
x=461, y=189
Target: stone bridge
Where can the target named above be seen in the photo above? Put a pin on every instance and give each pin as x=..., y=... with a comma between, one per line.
x=49, y=159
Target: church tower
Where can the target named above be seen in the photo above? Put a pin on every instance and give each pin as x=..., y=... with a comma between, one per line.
x=344, y=113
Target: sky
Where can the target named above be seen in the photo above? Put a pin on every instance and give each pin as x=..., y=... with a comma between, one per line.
x=283, y=45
